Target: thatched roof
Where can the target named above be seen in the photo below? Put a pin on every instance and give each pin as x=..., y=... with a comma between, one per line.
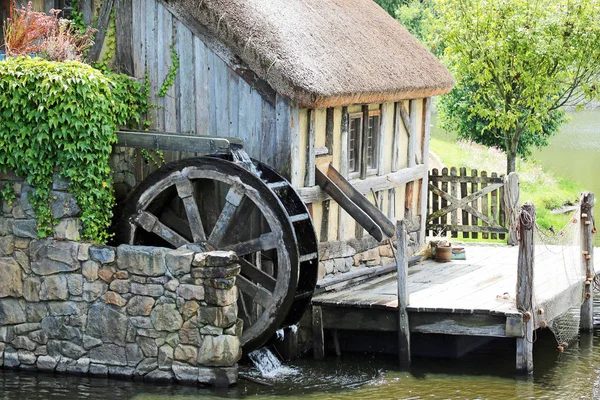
x=324, y=52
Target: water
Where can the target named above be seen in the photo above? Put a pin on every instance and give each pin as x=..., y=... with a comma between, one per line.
x=268, y=365
x=488, y=374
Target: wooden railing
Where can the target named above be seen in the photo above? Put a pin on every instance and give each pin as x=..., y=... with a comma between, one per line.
x=472, y=204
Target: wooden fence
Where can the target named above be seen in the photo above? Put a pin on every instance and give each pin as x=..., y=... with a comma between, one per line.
x=472, y=203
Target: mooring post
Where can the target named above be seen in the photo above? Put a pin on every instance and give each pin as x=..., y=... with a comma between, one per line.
x=402, y=266
x=318, y=333
x=586, y=322
x=525, y=287
x=511, y=206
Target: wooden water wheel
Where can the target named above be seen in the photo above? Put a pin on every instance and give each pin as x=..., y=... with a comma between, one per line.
x=218, y=204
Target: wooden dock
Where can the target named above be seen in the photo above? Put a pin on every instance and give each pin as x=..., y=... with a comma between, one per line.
x=476, y=297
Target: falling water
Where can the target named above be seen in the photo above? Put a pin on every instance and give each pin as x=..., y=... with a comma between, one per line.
x=268, y=364
x=242, y=158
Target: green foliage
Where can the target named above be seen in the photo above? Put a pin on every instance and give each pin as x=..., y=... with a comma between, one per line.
x=77, y=17
x=413, y=16
x=390, y=5
x=517, y=62
x=172, y=74
x=110, y=42
x=8, y=194
x=64, y=116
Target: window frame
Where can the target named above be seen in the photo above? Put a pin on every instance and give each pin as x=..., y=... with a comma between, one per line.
x=357, y=149
x=359, y=152
x=374, y=169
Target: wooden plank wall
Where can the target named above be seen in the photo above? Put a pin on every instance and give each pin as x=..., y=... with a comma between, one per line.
x=208, y=97
x=404, y=142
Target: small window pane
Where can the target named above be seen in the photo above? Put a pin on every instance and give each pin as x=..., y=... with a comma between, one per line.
x=354, y=144
x=372, y=139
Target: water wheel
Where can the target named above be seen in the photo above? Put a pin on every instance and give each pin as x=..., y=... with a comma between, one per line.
x=218, y=204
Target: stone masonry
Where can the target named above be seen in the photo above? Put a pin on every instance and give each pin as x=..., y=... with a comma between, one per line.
x=132, y=311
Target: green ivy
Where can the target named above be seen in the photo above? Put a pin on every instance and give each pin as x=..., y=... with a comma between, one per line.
x=77, y=17
x=172, y=74
x=64, y=116
x=8, y=194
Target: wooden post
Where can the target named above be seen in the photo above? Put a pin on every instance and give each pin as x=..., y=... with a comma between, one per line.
x=525, y=287
x=318, y=334
x=586, y=322
x=511, y=205
x=402, y=265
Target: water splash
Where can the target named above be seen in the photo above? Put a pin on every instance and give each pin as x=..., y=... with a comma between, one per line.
x=269, y=365
x=242, y=158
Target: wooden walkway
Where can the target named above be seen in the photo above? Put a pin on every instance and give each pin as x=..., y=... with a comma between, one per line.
x=474, y=297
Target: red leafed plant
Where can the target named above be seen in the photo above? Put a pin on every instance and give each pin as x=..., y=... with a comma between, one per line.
x=32, y=32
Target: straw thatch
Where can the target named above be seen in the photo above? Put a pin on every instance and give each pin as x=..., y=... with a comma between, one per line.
x=323, y=53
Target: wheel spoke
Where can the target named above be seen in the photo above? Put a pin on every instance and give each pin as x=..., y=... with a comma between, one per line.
x=185, y=190
x=150, y=223
x=244, y=308
x=173, y=221
x=266, y=241
x=232, y=201
x=258, y=294
x=253, y=273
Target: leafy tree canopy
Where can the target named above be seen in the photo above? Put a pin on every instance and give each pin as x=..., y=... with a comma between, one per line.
x=390, y=5
x=517, y=63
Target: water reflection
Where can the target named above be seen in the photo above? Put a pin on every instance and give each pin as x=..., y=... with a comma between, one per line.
x=488, y=374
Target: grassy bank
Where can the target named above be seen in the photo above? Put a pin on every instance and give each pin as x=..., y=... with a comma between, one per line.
x=545, y=190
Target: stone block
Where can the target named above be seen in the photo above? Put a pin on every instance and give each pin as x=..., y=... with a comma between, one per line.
x=145, y=366
x=11, y=358
x=185, y=373
x=115, y=299
x=54, y=288
x=215, y=259
x=63, y=364
x=23, y=342
x=159, y=376
x=340, y=265
x=55, y=327
x=26, y=357
x=106, y=274
x=220, y=351
x=140, y=306
x=222, y=317
x=216, y=272
x=165, y=357
x=23, y=260
x=134, y=354
x=189, y=309
x=235, y=330
x=36, y=311
x=191, y=292
x=7, y=245
x=121, y=372
x=148, y=346
x=12, y=311
x=147, y=289
x=103, y=254
x=120, y=286
x=11, y=279
x=141, y=322
x=165, y=317
x=26, y=228
x=336, y=249
x=59, y=182
x=83, y=254
x=23, y=329
x=210, y=330
x=98, y=370
x=75, y=284
x=121, y=275
x=68, y=229
x=22, y=243
x=7, y=226
x=107, y=323
x=220, y=283
x=31, y=288
x=89, y=270
x=322, y=271
x=81, y=366
x=46, y=363
x=53, y=256
x=41, y=351
x=142, y=260
x=17, y=211
x=57, y=348
x=220, y=297
x=187, y=354
x=63, y=205
x=93, y=290
x=38, y=336
x=329, y=266
x=109, y=354
x=218, y=377
x=179, y=262
x=172, y=285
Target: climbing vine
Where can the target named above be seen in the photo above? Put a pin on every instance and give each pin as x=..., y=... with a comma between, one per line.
x=64, y=115
x=8, y=194
x=172, y=74
x=77, y=17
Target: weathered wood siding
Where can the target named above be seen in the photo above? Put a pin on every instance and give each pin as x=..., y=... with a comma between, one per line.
x=403, y=144
x=208, y=97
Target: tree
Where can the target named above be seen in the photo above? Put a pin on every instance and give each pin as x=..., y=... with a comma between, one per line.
x=390, y=5
x=517, y=63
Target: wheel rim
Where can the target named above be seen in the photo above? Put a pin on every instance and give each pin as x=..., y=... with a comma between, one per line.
x=223, y=206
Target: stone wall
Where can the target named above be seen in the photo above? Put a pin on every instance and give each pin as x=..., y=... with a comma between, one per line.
x=132, y=311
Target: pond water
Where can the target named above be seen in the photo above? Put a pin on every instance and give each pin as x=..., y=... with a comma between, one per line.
x=488, y=374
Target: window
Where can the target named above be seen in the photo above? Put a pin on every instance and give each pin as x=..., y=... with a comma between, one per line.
x=363, y=143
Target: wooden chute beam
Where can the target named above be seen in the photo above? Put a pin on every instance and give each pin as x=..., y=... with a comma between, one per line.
x=362, y=210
